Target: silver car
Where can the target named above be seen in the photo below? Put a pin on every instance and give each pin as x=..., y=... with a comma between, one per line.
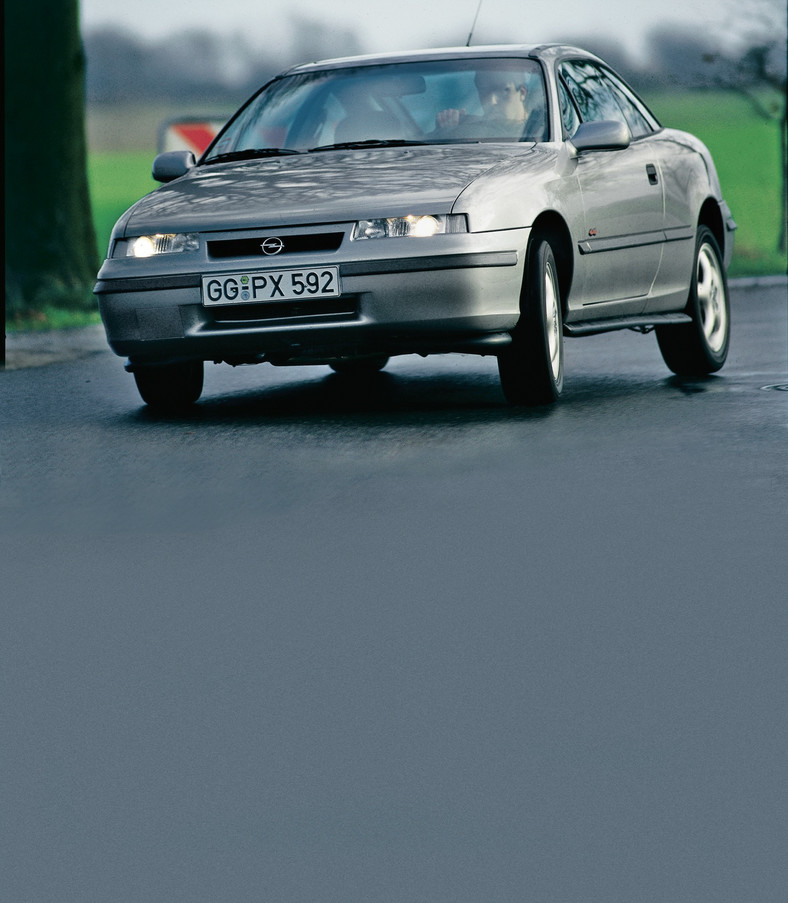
x=480, y=200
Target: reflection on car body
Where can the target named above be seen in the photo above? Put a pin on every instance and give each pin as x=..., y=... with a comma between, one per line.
x=481, y=200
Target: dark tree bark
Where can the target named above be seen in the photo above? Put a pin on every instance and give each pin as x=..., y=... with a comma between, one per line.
x=50, y=242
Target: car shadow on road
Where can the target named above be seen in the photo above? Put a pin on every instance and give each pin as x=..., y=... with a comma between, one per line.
x=437, y=397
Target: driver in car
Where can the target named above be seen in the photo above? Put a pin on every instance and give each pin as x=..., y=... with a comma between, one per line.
x=503, y=104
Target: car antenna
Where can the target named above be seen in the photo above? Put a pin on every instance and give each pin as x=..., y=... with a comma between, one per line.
x=475, y=18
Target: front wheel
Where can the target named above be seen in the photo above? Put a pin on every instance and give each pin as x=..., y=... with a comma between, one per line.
x=700, y=347
x=532, y=367
x=169, y=387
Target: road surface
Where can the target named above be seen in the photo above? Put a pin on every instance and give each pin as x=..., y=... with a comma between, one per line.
x=396, y=641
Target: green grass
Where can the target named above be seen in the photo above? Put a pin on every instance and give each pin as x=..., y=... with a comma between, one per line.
x=116, y=182
x=746, y=152
x=53, y=318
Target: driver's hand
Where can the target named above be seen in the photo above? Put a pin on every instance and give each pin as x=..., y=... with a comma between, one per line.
x=449, y=119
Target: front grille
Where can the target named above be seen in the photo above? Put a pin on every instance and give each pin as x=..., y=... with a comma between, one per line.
x=292, y=244
x=287, y=311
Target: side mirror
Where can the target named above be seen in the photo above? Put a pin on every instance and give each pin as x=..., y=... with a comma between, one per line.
x=172, y=165
x=607, y=135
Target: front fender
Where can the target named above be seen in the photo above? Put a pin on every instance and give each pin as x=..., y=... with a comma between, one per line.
x=514, y=195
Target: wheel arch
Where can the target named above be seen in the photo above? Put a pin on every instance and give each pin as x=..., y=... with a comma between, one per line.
x=552, y=227
x=711, y=216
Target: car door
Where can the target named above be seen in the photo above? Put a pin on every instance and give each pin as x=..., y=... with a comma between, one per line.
x=618, y=256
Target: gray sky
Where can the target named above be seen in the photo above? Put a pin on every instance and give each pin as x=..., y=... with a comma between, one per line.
x=406, y=24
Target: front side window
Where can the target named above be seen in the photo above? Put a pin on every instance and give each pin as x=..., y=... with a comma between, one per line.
x=593, y=97
x=599, y=95
x=638, y=119
x=437, y=101
x=568, y=112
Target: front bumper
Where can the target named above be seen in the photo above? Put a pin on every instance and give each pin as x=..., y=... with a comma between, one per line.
x=463, y=299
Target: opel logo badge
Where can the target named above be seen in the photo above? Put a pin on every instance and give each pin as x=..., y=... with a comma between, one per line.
x=272, y=246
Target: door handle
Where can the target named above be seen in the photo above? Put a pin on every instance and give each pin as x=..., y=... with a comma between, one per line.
x=653, y=177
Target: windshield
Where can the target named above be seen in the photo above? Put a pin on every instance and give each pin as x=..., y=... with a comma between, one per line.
x=438, y=101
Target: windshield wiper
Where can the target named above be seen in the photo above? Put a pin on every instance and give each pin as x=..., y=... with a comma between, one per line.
x=370, y=142
x=251, y=153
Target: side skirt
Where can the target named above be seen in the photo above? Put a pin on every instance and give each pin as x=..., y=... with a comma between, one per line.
x=644, y=323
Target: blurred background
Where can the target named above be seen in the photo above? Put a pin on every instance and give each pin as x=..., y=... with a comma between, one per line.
x=714, y=67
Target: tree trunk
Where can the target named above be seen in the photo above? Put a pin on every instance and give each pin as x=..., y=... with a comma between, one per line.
x=50, y=248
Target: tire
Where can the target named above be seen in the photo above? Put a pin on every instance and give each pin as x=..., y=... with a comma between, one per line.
x=701, y=347
x=359, y=366
x=531, y=369
x=169, y=387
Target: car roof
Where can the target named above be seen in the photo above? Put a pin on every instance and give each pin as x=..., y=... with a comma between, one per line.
x=544, y=52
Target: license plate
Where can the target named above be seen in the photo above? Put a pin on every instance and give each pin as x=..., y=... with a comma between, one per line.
x=270, y=285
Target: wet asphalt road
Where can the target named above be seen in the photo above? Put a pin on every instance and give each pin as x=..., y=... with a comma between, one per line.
x=323, y=641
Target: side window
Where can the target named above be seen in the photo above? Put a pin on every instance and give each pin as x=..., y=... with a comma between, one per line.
x=593, y=96
x=568, y=112
x=638, y=124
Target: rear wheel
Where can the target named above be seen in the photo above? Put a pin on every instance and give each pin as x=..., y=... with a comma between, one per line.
x=700, y=347
x=169, y=387
x=532, y=367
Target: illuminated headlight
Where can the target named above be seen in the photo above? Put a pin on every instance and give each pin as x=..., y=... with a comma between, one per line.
x=409, y=227
x=150, y=245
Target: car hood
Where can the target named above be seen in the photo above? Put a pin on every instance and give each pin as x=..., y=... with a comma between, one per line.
x=329, y=186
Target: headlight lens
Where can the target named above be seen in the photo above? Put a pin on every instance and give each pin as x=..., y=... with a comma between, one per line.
x=161, y=243
x=409, y=227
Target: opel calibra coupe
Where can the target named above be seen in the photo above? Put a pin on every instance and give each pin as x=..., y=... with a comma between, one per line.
x=477, y=200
